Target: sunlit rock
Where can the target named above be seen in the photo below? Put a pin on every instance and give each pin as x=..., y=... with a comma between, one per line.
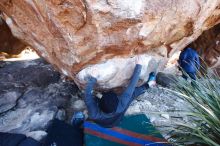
x=73, y=35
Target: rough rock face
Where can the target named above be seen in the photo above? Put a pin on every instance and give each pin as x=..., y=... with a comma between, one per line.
x=8, y=43
x=73, y=34
x=32, y=94
x=208, y=46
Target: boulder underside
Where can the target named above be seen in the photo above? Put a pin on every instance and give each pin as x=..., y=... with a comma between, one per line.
x=77, y=35
x=8, y=43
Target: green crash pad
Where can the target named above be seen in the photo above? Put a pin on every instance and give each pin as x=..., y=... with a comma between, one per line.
x=135, y=130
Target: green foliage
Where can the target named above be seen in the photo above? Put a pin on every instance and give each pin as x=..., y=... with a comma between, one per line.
x=204, y=97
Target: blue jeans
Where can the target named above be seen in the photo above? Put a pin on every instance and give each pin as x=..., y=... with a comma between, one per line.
x=127, y=97
x=139, y=90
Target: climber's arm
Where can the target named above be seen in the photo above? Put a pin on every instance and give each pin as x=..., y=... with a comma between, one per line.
x=126, y=97
x=92, y=105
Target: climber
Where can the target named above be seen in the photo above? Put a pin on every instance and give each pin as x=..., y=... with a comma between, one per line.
x=109, y=110
x=189, y=62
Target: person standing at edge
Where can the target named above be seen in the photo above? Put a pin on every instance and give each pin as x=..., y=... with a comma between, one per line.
x=189, y=62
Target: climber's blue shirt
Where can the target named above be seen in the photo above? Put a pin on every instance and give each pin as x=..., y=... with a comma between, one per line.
x=111, y=119
x=189, y=60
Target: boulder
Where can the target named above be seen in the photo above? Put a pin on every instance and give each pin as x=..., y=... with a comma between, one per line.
x=76, y=35
x=208, y=46
x=165, y=79
x=8, y=43
x=8, y=100
x=32, y=94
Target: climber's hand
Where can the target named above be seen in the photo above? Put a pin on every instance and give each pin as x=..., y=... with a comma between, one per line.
x=138, y=59
x=91, y=79
x=94, y=72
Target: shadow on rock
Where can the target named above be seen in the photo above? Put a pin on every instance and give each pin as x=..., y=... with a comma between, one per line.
x=32, y=93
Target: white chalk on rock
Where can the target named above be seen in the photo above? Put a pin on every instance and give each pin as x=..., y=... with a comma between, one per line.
x=117, y=72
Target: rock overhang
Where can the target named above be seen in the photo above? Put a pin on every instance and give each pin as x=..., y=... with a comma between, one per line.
x=75, y=35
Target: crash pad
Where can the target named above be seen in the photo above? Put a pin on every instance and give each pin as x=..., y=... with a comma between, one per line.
x=135, y=130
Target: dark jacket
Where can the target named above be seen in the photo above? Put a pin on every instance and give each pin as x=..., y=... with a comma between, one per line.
x=59, y=134
x=111, y=119
x=8, y=139
x=189, y=60
x=63, y=134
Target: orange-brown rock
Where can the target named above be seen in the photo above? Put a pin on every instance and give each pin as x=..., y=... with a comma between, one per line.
x=212, y=54
x=73, y=34
x=208, y=46
x=8, y=43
